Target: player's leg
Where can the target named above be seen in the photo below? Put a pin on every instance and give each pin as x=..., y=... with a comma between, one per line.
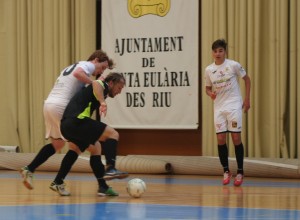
x=109, y=142
x=239, y=154
x=79, y=133
x=223, y=156
x=52, y=116
x=235, y=126
x=239, y=151
x=109, y=153
x=98, y=170
x=47, y=151
x=69, y=159
x=221, y=130
x=77, y=144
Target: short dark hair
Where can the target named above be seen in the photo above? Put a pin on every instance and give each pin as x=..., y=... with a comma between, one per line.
x=219, y=43
x=114, y=77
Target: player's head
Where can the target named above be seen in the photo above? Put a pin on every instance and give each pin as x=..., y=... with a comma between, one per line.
x=101, y=62
x=220, y=43
x=219, y=48
x=116, y=83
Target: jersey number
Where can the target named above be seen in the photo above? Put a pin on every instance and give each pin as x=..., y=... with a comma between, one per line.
x=69, y=70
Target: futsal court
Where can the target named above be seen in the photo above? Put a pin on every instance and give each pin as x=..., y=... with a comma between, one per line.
x=170, y=194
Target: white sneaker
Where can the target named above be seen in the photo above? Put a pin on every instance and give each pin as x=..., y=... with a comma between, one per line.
x=27, y=177
x=60, y=189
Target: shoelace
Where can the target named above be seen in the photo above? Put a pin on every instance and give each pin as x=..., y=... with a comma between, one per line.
x=29, y=174
x=226, y=175
x=239, y=177
x=61, y=187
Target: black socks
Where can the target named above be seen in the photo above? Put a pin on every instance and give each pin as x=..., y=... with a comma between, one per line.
x=43, y=155
x=223, y=156
x=239, y=154
x=65, y=166
x=98, y=170
x=109, y=149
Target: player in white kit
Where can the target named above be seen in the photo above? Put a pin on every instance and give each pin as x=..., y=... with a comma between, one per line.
x=221, y=80
x=72, y=79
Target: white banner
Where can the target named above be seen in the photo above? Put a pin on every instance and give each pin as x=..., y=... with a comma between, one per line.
x=155, y=46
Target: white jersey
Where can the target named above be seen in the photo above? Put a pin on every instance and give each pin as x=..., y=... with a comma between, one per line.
x=67, y=85
x=224, y=81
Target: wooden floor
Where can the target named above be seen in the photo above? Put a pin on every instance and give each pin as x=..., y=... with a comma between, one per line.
x=167, y=197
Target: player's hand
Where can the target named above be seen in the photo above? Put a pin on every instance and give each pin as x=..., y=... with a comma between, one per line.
x=103, y=109
x=246, y=105
x=213, y=95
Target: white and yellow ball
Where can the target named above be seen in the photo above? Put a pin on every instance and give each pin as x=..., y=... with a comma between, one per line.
x=136, y=187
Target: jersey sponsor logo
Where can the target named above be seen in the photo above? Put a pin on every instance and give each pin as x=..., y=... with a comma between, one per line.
x=234, y=124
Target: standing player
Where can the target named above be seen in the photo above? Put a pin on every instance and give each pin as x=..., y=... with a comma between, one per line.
x=71, y=80
x=221, y=78
x=78, y=127
x=110, y=152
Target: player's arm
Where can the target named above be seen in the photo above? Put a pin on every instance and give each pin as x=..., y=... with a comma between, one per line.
x=208, y=85
x=82, y=76
x=210, y=93
x=98, y=89
x=246, y=104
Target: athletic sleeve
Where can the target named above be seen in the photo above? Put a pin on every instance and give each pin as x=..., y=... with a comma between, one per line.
x=88, y=67
x=207, y=78
x=239, y=69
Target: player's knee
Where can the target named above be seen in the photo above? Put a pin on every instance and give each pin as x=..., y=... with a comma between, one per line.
x=115, y=135
x=236, y=139
x=221, y=142
x=112, y=133
x=94, y=150
x=221, y=139
x=58, y=145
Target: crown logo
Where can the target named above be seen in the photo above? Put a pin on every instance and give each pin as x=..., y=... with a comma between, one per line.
x=138, y=8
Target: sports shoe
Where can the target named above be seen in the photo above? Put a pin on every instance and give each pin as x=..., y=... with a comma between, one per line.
x=60, y=189
x=113, y=173
x=238, y=180
x=107, y=192
x=27, y=177
x=226, y=178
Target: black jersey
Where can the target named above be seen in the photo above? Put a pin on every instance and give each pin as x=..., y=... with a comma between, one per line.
x=84, y=102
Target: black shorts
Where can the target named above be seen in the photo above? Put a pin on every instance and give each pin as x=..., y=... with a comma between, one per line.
x=82, y=132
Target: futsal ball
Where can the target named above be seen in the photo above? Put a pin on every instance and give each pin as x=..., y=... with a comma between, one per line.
x=136, y=187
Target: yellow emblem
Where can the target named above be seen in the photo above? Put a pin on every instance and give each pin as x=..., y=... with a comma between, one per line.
x=138, y=8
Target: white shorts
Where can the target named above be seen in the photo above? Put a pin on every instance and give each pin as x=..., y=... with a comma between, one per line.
x=52, y=116
x=228, y=120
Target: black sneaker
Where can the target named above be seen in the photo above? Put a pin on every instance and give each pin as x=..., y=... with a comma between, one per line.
x=107, y=192
x=113, y=173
